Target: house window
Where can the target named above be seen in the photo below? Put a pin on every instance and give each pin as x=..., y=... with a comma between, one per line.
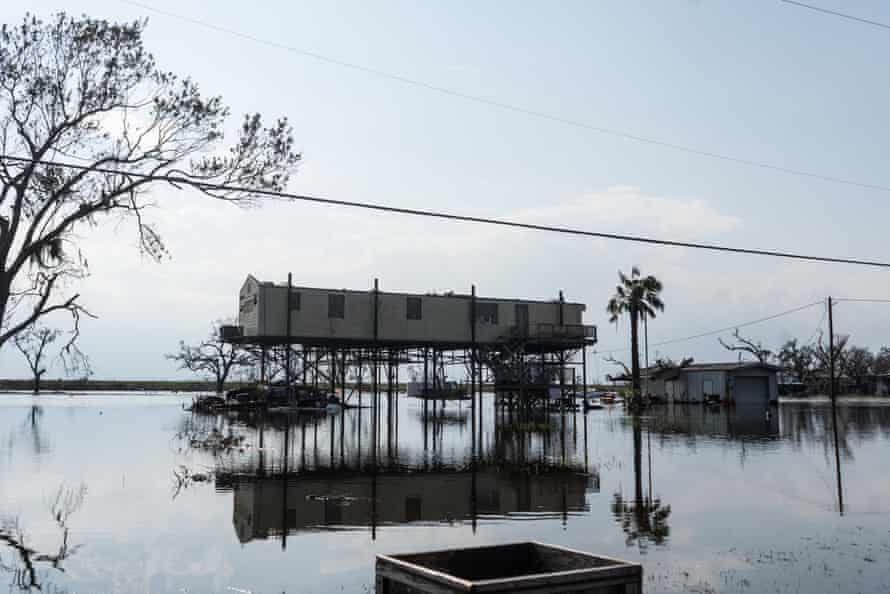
x=487, y=313
x=336, y=306
x=295, y=300
x=415, y=308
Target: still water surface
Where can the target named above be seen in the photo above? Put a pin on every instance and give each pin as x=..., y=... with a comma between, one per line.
x=129, y=493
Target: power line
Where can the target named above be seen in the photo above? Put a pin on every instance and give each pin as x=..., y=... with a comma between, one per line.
x=721, y=330
x=174, y=180
x=855, y=300
x=837, y=14
x=818, y=329
x=512, y=107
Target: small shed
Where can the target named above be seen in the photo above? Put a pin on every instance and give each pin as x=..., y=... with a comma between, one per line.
x=745, y=383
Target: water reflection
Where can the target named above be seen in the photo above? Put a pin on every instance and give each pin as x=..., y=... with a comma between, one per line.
x=309, y=473
x=729, y=423
x=722, y=499
x=643, y=519
x=273, y=506
x=30, y=431
x=32, y=569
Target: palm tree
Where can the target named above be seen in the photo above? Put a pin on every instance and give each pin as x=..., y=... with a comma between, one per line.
x=638, y=297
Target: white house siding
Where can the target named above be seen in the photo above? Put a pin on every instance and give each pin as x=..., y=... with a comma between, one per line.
x=248, y=308
x=444, y=318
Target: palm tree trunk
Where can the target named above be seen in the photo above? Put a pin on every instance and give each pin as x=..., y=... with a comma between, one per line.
x=638, y=462
x=634, y=357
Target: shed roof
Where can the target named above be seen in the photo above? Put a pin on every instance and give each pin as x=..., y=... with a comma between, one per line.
x=733, y=366
x=674, y=372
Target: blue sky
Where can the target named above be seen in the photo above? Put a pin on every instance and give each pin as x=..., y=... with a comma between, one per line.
x=757, y=80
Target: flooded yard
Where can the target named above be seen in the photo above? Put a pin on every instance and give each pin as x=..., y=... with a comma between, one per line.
x=130, y=493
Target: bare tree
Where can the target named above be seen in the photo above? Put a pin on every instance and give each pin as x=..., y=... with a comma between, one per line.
x=856, y=366
x=823, y=352
x=33, y=344
x=797, y=361
x=626, y=372
x=88, y=124
x=882, y=361
x=668, y=363
x=747, y=345
x=213, y=358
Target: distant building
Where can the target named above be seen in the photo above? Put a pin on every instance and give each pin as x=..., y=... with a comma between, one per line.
x=744, y=383
x=450, y=320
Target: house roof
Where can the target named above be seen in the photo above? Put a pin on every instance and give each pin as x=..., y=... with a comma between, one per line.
x=672, y=372
x=447, y=294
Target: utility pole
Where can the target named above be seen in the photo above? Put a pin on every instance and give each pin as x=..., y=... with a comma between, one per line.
x=833, y=395
x=287, y=312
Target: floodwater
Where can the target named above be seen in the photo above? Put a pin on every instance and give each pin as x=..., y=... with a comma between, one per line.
x=129, y=493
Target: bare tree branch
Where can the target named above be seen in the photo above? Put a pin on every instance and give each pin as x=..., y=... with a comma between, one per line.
x=747, y=345
x=213, y=358
x=87, y=91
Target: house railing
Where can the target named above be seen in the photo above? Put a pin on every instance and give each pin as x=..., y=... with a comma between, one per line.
x=565, y=331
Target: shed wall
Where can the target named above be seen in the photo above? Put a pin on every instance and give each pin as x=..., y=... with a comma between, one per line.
x=696, y=384
x=771, y=376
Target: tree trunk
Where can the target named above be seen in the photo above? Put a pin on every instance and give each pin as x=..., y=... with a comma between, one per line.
x=638, y=462
x=37, y=377
x=634, y=357
x=220, y=384
x=5, y=287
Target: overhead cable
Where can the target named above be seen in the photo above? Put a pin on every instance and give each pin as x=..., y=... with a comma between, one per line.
x=179, y=180
x=513, y=107
x=721, y=330
x=836, y=13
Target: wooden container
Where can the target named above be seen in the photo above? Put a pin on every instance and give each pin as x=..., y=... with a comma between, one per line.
x=526, y=567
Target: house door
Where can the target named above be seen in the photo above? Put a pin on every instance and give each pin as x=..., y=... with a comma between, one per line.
x=751, y=391
x=522, y=318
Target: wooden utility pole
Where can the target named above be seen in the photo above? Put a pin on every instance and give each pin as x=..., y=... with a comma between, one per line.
x=287, y=378
x=473, y=372
x=374, y=374
x=833, y=395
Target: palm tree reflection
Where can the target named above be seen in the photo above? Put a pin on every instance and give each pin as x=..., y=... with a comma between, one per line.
x=644, y=520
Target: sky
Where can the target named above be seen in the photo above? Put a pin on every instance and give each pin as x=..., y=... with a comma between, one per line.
x=763, y=81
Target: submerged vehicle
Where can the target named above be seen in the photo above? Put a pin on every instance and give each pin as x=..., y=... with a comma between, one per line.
x=611, y=398
x=592, y=400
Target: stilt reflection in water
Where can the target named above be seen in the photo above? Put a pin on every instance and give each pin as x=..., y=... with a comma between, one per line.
x=509, y=477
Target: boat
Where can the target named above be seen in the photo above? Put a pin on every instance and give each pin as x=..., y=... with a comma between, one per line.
x=592, y=401
x=611, y=398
